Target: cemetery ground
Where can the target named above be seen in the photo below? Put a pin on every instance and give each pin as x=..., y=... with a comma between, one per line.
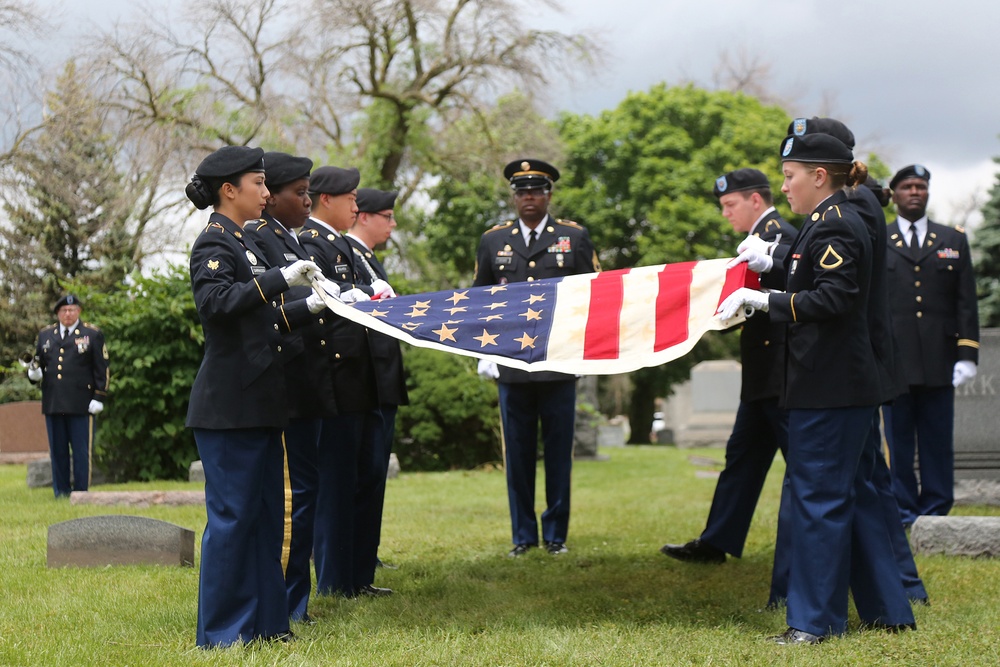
x=612, y=600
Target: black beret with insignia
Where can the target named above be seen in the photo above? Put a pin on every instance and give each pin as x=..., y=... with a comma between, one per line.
x=334, y=181
x=911, y=171
x=803, y=126
x=740, y=180
x=67, y=300
x=823, y=148
x=527, y=174
x=371, y=200
x=282, y=168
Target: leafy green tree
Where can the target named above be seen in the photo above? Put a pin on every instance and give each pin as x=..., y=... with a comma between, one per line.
x=63, y=202
x=155, y=344
x=986, y=243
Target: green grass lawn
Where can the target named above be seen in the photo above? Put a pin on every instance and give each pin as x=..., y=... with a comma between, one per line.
x=613, y=600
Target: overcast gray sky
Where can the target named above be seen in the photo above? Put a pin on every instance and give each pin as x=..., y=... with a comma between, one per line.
x=916, y=80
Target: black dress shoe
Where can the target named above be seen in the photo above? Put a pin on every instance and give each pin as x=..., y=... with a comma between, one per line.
x=792, y=636
x=520, y=550
x=373, y=591
x=556, y=548
x=694, y=551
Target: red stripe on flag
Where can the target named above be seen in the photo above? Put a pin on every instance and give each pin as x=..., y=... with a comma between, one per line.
x=673, y=305
x=600, y=340
x=737, y=277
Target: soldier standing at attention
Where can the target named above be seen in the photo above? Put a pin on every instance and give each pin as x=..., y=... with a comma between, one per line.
x=935, y=316
x=535, y=246
x=73, y=369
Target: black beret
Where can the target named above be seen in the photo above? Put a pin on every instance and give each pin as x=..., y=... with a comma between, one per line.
x=911, y=171
x=67, y=300
x=334, y=180
x=803, y=126
x=231, y=160
x=822, y=148
x=530, y=174
x=740, y=180
x=371, y=200
x=281, y=168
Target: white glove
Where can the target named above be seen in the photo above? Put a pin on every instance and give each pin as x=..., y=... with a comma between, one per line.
x=752, y=242
x=740, y=299
x=354, y=295
x=330, y=287
x=315, y=303
x=95, y=407
x=382, y=290
x=757, y=261
x=301, y=273
x=963, y=373
x=35, y=374
x=488, y=370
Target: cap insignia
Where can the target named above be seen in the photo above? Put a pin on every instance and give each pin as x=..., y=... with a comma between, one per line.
x=525, y=166
x=721, y=183
x=799, y=127
x=788, y=147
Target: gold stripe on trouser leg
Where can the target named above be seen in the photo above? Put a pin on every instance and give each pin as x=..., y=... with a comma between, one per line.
x=286, y=542
x=885, y=441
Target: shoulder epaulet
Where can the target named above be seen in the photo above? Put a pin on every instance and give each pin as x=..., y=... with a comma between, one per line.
x=309, y=233
x=256, y=225
x=91, y=326
x=569, y=223
x=214, y=226
x=51, y=326
x=832, y=207
x=502, y=225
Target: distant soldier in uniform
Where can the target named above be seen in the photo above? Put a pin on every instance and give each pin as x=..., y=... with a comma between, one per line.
x=761, y=427
x=344, y=560
x=307, y=372
x=535, y=246
x=73, y=369
x=936, y=320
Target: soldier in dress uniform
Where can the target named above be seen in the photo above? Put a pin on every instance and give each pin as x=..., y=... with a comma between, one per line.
x=535, y=246
x=72, y=365
x=307, y=371
x=936, y=318
x=238, y=402
x=865, y=201
x=372, y=229
x=831, y=391
x=761, y=427
x=346, y=451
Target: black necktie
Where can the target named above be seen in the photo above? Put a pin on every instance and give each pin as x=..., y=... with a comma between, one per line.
x=531, y=238
x=62, y=333
x=914, y=242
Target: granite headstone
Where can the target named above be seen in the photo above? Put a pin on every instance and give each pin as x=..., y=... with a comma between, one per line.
x=117, y=539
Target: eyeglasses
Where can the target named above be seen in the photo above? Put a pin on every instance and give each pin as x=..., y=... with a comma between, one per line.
x=387, y=216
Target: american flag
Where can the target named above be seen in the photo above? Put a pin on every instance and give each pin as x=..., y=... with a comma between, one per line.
x=589, y=324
